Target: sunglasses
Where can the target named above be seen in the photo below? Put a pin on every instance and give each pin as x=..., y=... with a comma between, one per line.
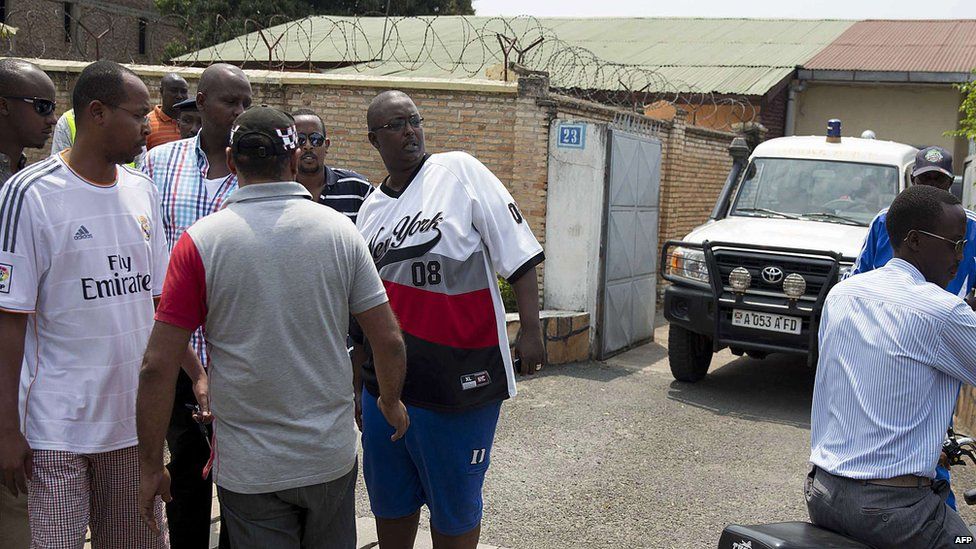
x=397, y=124
x=957, y=245
x=43, y=107
x=315, y=138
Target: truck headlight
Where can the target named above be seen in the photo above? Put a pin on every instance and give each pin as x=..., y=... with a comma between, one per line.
x=688, y=263
x=794, y=286
x=740, y=279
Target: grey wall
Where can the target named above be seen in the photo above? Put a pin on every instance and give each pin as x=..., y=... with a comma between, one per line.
x=574, y=217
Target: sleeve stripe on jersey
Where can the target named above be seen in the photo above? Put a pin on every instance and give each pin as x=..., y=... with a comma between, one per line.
x=535, y=260
x=138, y=173
x=13, y=200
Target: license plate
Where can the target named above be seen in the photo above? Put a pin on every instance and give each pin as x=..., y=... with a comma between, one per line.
x=767, y=321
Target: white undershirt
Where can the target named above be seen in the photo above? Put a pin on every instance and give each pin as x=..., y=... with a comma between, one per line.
x=213, y=185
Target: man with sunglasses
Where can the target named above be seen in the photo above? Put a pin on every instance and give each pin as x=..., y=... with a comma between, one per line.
x=439, y=229
x=933, y=167
x=895, y=348
x=341, y=190
x=194, y=180
x=26, y=113
x=26, y=121
x=82, y=257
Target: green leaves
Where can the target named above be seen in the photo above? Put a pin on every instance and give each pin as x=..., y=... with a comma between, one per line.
x=967, y=126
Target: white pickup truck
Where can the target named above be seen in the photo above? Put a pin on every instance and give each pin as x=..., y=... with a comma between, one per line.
x=788, y=225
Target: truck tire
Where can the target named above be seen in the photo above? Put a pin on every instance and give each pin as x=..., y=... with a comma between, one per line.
x=689, y=354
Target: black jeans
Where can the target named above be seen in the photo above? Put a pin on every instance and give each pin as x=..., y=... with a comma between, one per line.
x=189, y=512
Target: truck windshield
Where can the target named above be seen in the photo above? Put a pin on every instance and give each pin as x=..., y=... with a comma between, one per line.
x=821, y=190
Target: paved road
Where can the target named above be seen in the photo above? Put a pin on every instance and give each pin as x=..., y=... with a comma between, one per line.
x=618, y=454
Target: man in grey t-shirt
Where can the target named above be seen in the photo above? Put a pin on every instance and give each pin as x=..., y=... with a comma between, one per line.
x=281, y=385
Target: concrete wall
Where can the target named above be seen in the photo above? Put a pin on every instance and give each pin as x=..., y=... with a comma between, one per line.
x=574, y=220
x=913, y=114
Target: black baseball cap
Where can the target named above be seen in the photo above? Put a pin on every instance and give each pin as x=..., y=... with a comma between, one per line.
x=264, y=131
x=186, y=105
x=932, y=159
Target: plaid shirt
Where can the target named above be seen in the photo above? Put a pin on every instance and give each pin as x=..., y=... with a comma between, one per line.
x=179, y=169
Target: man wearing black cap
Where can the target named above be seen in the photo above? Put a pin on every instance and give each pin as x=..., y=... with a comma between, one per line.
x=933, y=167
x=281, y=380
x=188, y=121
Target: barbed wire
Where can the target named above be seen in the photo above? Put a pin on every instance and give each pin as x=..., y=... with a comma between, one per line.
x=450, y=47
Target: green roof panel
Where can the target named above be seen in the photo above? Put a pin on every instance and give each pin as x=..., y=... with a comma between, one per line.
x=729, y=56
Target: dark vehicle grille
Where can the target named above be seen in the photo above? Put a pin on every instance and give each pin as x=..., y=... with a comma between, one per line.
x=815, y=271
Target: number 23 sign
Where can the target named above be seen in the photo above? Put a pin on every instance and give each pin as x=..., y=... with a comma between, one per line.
x=571, y=136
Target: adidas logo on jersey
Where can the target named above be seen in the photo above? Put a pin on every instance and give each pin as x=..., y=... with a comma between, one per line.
x=82, y=233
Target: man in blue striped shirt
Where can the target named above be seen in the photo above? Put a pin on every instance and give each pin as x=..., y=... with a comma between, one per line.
x=341, y=190
x=895, y=348
x=933, y=166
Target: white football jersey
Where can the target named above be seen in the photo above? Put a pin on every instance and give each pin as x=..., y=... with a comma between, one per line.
x=84, y=261
x=438, y=245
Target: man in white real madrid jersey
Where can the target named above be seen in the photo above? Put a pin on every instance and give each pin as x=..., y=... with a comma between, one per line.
x=439, y=229
x=82, y=255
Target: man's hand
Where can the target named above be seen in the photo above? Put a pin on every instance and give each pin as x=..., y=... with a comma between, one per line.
x=970, y=300
x=152, y=482
x=16, y=461
x=530, y=347
x=201, y=390
x=396, y=415
x=532, y=352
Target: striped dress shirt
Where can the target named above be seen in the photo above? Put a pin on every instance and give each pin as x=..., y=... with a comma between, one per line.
x=894, y=350
x=179, y=170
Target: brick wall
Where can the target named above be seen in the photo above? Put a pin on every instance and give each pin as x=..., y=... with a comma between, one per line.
x=696, y=164
x=497, y=123
x=113, y=25
x=773, y=113
x=504, y=125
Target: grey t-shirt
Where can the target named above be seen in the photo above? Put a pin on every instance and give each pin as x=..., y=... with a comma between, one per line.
x=281, y=274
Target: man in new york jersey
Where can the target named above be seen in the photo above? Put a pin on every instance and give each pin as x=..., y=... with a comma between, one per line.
x=82, y=255
x=439, y=229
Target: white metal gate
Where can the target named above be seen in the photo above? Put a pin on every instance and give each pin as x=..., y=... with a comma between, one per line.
x=628, y=283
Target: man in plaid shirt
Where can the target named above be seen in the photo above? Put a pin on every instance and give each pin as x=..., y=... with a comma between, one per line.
x=193, y=181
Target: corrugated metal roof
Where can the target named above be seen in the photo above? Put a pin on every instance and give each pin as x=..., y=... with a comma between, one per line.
x=733, y=56
x=920, y=46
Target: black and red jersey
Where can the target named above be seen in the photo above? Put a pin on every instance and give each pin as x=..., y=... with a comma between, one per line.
x=438, y=245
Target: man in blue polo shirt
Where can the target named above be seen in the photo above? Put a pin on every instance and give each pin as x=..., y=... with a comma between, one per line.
x=342, y=190
x=933, y=166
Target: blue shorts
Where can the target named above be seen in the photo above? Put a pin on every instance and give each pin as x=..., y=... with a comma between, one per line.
x=440, y=462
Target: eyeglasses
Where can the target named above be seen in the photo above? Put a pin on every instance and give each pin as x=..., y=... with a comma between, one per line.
x=43, y=107
x=144, y=118
x=397, y=124
x=315, y=138
x=957, y=245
